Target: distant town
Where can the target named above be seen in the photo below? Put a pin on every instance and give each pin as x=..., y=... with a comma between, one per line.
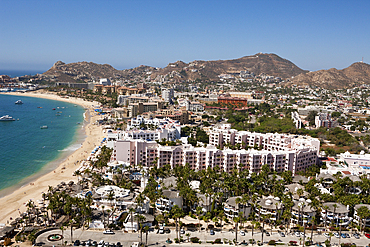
x=244, y=159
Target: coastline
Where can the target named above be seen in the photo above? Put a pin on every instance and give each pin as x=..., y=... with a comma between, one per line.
x=14, y=202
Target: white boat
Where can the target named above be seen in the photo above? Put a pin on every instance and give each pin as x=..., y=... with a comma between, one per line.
x=6, y=118
x=6, y=89
x=19, y=102
x=44, y=127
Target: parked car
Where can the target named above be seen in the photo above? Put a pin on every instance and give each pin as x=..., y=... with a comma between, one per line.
x=297, y=234
x=242, y=233
x=336, y=235
x=367, y=235
x=76, y=242
x=182, y=231
x=94, y=244
x=267, y=234
x=212, y=232
x=356, y=235
x=326, y=235
x=282, y=234
x=302, y=234
x=108, y=232
x=347, y=235
x=343, y=235
x=161, y=230
x=119, y=244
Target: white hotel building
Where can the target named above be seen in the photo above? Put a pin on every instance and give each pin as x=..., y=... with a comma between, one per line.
x=280, y=151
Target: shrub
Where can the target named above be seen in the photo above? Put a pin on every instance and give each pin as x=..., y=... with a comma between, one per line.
x=272, y=242
x=217, y=241
x=194, y=240
x=292, y=243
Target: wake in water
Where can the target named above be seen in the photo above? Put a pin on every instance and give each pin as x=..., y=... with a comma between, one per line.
x=73, y=147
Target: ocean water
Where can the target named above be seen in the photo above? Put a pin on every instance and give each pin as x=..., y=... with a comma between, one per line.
x=27, y=151
x=16, y=73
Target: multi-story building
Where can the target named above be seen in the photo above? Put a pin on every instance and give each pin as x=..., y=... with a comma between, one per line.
x=336, y=213
x=169, y=199
x=269, y=206
x=323, y=120
x=232, y=208
x=297, y=120
x=302, y=212
x=167, y=94
x=280, y=152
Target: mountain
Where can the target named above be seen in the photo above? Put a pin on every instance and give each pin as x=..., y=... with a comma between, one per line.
x=355, y=75
x=269, y=64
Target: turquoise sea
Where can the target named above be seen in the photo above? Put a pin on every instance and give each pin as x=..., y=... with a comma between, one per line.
x=27, y=151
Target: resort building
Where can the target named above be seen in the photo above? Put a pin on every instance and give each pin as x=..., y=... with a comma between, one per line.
x=336, y=213
x=233, y=208
x=269, y=206
x=357, y=219
x=169, y=199
x=302, y=212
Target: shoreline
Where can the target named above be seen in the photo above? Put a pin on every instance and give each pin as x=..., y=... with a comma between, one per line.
x=13, y=203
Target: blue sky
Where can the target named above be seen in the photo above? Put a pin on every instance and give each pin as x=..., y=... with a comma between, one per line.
x=312, y=34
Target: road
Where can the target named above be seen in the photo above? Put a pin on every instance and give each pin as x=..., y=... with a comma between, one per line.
x=154, y=238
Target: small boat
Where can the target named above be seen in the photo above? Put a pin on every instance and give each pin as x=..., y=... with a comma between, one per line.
x=53, y=109
x=39, y=107
x=44, y=127
x=57, y=114
x=19, y=102
x=6, y=118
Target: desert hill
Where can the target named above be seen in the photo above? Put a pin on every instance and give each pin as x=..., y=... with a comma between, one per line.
x=355, y=75
x=269, y=64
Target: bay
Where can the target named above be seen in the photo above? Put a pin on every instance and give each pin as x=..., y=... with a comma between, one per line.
x=26, y=150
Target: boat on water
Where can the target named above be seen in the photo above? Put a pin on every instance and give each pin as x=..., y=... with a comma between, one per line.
x=6, y=118
x=44, y=127
x=19, y=102
x=53, y=109
x=39, y=107
x=57, y=114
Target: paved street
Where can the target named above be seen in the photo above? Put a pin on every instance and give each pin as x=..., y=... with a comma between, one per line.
x=154, y=238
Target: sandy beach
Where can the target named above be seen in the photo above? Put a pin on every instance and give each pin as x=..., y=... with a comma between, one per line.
x=14, y=204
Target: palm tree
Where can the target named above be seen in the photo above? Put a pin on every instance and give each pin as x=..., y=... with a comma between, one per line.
x=199, y=212
x=236, y=220
x=326, y=208
x=188, y=236
x=312, y=222
x=71, y=224
x=177, y=213
x=103, y=215
x=335, y=208
x=363, y=213
x=62, y=229
x=146, y=228
x=131, y=211
x=264, y=218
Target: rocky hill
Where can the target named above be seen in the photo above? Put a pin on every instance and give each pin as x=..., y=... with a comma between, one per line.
x=355, y=75
x=269, y=64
